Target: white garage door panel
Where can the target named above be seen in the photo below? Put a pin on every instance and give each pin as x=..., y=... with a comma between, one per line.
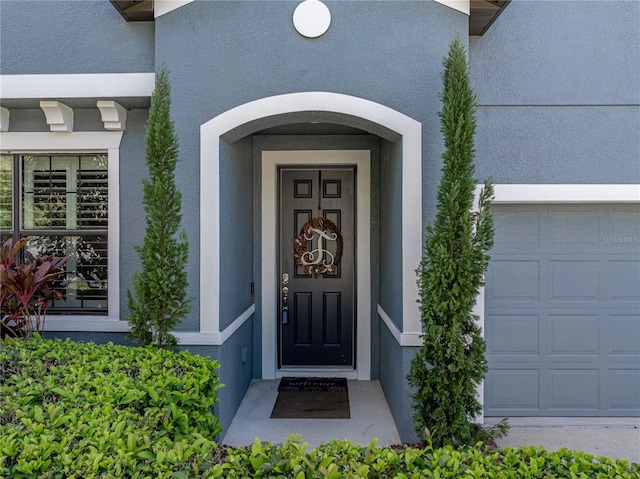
x=562, y=311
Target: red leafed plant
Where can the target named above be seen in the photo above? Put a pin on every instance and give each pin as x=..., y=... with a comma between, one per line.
x=25, y=289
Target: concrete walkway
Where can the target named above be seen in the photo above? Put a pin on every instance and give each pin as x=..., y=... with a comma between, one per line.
x=617, y=438
x=370, y=418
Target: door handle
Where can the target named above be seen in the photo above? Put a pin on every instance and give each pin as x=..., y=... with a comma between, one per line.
x=285, y=295
x=285, y=308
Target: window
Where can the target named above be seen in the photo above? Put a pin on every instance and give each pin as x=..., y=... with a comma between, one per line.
x=60, y=203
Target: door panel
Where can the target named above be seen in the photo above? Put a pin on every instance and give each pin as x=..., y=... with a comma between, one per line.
x=318, y=326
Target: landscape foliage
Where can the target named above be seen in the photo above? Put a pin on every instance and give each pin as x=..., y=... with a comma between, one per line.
x=80, y=410
x=450, y=365
x=26, y=288
x=159, y=300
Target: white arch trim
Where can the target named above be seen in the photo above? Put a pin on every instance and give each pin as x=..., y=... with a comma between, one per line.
x=210, y=133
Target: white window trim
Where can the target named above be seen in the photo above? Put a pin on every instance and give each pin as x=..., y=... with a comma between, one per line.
x=79, y=142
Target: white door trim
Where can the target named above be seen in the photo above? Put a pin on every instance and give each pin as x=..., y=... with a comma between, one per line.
x=270, y=162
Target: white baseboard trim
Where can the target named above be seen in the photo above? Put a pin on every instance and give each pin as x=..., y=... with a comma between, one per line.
x=403, y=339
x=214, y=338
x=81, y=324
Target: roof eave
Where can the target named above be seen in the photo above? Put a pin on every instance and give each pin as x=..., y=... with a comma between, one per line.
x=135, y=10
x=484, y=13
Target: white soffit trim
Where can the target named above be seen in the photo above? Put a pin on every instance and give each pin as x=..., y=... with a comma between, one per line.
x=463, y=6
x=565, y=193
x=160, y=7
x=210, y=133
x=83, y=85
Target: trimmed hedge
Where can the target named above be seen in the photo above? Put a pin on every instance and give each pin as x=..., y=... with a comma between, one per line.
x=85, y=411
x=80, y=409
x=341, y=459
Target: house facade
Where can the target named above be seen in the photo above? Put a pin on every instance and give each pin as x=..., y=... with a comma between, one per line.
x=310, y=156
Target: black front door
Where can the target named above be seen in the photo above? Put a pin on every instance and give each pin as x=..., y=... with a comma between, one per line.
x=316, y=266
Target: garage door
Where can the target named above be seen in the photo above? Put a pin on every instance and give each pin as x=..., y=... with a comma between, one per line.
x=562, y=311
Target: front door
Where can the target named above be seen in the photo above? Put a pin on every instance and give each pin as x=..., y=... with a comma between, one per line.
x=316, y=266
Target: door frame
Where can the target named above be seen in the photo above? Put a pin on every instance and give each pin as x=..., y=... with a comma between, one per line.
x=270, y=161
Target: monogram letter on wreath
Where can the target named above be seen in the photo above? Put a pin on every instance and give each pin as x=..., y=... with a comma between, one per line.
x=320, y=260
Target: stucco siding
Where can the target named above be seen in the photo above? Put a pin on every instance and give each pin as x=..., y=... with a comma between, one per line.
x=235, y=372
x=391, y=231
x=558, y=144
x=133, y=169
x=393, y=372
x=87, y=36
x=559, y=53
x=236, y=230
x=558, y=89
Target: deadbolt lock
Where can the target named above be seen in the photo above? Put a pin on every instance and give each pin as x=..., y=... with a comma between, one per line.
x=285, y=278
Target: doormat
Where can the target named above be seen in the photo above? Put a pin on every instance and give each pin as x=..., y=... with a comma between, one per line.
x=312, y=398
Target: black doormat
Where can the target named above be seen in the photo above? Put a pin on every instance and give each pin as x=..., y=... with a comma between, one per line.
x=312, y=398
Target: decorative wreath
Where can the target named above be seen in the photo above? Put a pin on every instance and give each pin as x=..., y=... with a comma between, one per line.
x=318, y=261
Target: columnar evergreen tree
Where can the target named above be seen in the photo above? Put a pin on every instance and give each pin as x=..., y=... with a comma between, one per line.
x=159, y=299
x=451, y=363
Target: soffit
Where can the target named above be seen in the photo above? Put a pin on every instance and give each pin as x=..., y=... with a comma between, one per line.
x=135, y=10
x=484, y=13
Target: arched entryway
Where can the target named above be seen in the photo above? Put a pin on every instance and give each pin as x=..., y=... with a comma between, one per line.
x=231, y=127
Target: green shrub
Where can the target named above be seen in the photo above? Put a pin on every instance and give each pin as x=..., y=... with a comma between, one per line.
x=78, y=409
x=159, y=300
x=341, y=459
x=448, y=368
x=75, y=410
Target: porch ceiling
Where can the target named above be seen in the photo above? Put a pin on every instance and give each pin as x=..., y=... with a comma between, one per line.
x=483, y=12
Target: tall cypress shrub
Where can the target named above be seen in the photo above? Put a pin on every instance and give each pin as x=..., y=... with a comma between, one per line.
x=450, y=365
x=159, y=300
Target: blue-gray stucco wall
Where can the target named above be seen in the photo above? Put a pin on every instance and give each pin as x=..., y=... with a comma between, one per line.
x=558, y=88
x=133, y=169
x=391, y=231
x=393, y=372
x=236, y=225
x=55, y=37
x=236, y=372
